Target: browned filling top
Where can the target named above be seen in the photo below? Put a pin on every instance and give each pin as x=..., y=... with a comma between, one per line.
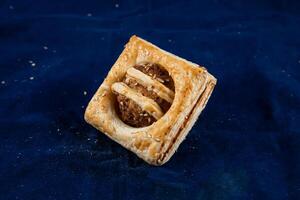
x=132, y=114
x=129, y=111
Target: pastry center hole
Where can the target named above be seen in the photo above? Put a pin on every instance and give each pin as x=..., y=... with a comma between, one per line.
x=149, y=94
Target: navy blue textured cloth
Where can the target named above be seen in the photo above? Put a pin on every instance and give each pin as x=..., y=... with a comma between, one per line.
x=55, y=54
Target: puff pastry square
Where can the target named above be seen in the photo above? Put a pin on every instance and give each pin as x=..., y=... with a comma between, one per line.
x=156, y=142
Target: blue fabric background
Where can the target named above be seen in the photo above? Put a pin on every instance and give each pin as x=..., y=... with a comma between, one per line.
x=245, y=145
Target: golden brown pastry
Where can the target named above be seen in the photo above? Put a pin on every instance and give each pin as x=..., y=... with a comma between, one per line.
x=150, y=100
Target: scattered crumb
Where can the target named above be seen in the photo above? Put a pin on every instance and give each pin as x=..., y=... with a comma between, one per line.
x=169, y=40
x=2, y=82
x=299, y=61
x=19, y=155
x=238, y=32
x=31, y=77
x=33, y=64
x=84, y=93
x=11, y=7
x=45, y=47
x=117, y=5
x=89, y=14
x=58, y=130
x=54, y=51
x=30, y=61
x=82, y=106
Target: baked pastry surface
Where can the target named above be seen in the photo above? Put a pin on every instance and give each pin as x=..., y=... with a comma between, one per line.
x=157, y=140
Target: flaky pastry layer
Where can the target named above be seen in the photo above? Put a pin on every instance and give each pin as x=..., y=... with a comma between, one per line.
x=155, y=143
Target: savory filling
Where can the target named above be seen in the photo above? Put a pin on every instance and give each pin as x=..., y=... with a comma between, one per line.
x=157, y=72
x=164, y=105
x=129, y=111
x=132, y=114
